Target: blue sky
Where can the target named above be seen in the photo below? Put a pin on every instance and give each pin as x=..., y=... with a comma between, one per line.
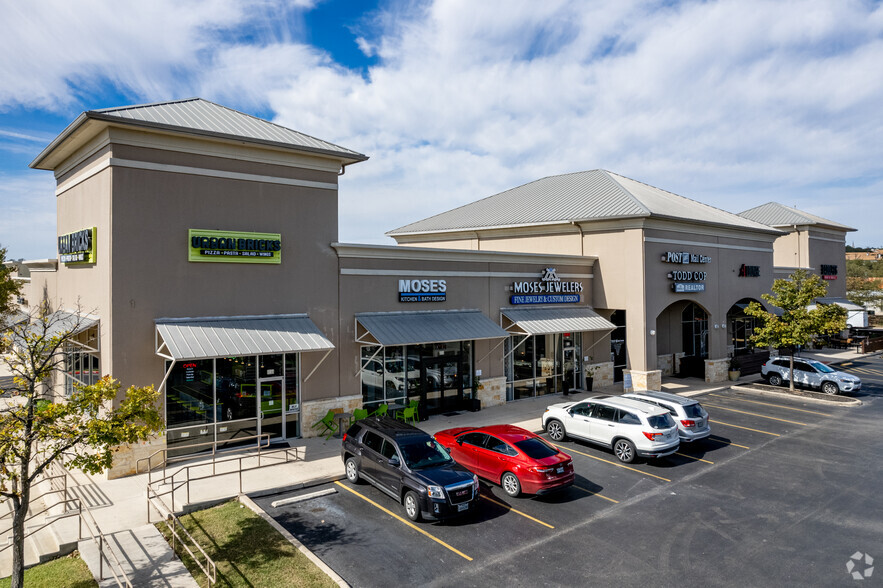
x=731, y=102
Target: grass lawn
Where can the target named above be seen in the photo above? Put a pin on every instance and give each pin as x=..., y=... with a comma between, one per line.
x=65, y=572
x=247, y=550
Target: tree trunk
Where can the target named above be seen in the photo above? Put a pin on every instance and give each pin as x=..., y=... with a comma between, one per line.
x=20, y=513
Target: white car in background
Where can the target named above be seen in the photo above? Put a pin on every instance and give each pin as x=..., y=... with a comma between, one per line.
x=630, y=427
x=691, y=418
x=810, y=373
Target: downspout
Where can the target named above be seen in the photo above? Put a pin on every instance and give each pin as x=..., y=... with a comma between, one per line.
x=581, y=238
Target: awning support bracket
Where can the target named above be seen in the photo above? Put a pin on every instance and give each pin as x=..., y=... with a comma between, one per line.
x=313, y=371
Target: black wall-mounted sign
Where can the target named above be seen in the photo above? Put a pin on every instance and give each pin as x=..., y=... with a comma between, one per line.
x=749, y=271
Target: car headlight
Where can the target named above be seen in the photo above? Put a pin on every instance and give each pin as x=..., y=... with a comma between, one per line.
x=435, y=492
x=475, y=482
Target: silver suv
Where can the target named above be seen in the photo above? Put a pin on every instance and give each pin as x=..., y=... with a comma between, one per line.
x=810, y=373
x=629, y=427
x=691, y=418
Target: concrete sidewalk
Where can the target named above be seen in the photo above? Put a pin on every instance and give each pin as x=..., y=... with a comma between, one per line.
x=121, y=511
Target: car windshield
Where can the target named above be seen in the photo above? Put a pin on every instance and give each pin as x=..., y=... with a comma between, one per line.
x=536, y=448
x=822, y=367
x=695, y=411
x=424, y=454
x=661, y=421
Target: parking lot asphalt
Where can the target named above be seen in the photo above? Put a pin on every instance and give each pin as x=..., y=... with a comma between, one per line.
x=785, y=492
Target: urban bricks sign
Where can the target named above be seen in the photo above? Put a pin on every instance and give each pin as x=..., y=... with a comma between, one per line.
x=550, y=289
x=234, y=247
x=78, y=247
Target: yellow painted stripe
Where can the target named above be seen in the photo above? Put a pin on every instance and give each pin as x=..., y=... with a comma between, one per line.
x=763, y=416
x=746, y=428
x=507, y=507
x=409, y=523
x=724, y=442
x=846, y=364
x=696, y=458
x=595, y=494
x=771, y=404
x=619, y=465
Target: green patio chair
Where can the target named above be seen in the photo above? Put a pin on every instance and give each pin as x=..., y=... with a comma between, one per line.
x=359, y=414
x=407, y=414
x=381, y=410
x=328, y=423
x=415, y=404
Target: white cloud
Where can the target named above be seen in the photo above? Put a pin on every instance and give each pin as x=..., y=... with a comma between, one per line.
x=731, y=102
x=27, y=225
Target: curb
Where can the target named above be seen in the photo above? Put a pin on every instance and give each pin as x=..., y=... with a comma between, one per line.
x=765, y=391
x=294, y=541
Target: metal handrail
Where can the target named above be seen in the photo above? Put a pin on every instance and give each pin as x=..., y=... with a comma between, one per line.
x=210, y=569
x=168, y=460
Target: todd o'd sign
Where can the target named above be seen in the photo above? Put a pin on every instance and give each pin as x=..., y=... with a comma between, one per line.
x=423, y=290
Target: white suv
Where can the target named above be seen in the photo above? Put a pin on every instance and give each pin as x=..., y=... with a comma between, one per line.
x=630, y=427
x=810, y=373
x=691, y=418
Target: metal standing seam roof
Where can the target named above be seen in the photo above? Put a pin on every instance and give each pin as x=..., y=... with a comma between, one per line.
x=204, y=338
x=581, y=196
x=774, y=214
x=841, y=302
x=433, y=326
x=195, y=115
x=542, y=321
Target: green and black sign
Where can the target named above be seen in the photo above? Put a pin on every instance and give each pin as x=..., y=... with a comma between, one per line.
x=78, y=247
x=234, y=246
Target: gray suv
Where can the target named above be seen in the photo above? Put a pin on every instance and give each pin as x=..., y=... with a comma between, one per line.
x=810, y=373
x=691, y=418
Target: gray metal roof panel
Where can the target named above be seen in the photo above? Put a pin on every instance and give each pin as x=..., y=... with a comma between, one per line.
x=774, y=214
x=542, y=321
x=440, y=326
x=581, y=196
x=203, y=338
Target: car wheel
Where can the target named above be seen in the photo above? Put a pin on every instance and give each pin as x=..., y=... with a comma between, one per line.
x=412, y=505
x=352, y=470
x=510, y=484
x=556, y=430
x=830, y=388
x=775, y=379
x=624, y=450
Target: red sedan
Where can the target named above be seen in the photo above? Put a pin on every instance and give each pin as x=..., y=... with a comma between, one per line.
x=510, y=456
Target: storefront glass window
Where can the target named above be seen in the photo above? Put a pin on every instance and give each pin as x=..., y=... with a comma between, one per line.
x=190, y=394
x=80, y=368
x=372, y=376
x=523, y=366
x=237, y=381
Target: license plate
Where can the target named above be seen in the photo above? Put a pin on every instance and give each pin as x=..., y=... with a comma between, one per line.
x=560, y=470
x=462, y=507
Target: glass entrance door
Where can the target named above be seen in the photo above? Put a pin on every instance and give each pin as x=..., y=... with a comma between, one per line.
x=442, y=388
x=270, y=412
x=571, y=369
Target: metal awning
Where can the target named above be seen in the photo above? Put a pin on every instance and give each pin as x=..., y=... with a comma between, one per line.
x=432, y=326
x=230, y=336
x=542, y=321
x=57, y=324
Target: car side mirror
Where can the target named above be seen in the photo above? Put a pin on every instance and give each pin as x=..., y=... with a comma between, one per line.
x=459, y=442
x=394, y=461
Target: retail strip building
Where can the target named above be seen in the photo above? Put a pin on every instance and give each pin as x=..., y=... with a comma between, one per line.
x=203, y=243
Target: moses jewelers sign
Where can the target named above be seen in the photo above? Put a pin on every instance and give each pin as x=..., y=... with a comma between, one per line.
x=234, y=247
x=549, y=289
x=78, y=247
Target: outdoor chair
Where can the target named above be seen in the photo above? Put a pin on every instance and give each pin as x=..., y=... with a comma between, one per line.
x=381, y=410
x=359, y=414
x=415, y=404
x=328, y=423
x=407, y=414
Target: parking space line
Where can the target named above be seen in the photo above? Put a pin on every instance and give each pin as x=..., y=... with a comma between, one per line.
x=409, y=523
x=696, y=458
x=507, y=507
x=595, y=494
x=771, y=404
x=746, y=428
x=723, y=441
x=619, y=465
x=763, y=416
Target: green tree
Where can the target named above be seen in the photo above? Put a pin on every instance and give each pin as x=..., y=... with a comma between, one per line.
x=862, y=291
x=797, y=324
x=9, y=289
x=37, y=428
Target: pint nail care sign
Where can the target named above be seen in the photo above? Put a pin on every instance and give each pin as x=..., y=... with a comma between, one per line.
x=234, y=247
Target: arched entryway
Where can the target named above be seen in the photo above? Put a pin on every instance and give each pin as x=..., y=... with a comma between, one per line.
x=682, y=339
x=740, y=328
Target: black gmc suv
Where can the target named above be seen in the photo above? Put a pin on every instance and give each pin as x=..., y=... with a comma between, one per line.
x=407, y=463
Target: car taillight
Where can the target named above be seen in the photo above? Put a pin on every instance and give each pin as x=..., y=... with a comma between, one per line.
x=540, y=470
x=651, y=436
x=688, y=423
x=344, y=438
